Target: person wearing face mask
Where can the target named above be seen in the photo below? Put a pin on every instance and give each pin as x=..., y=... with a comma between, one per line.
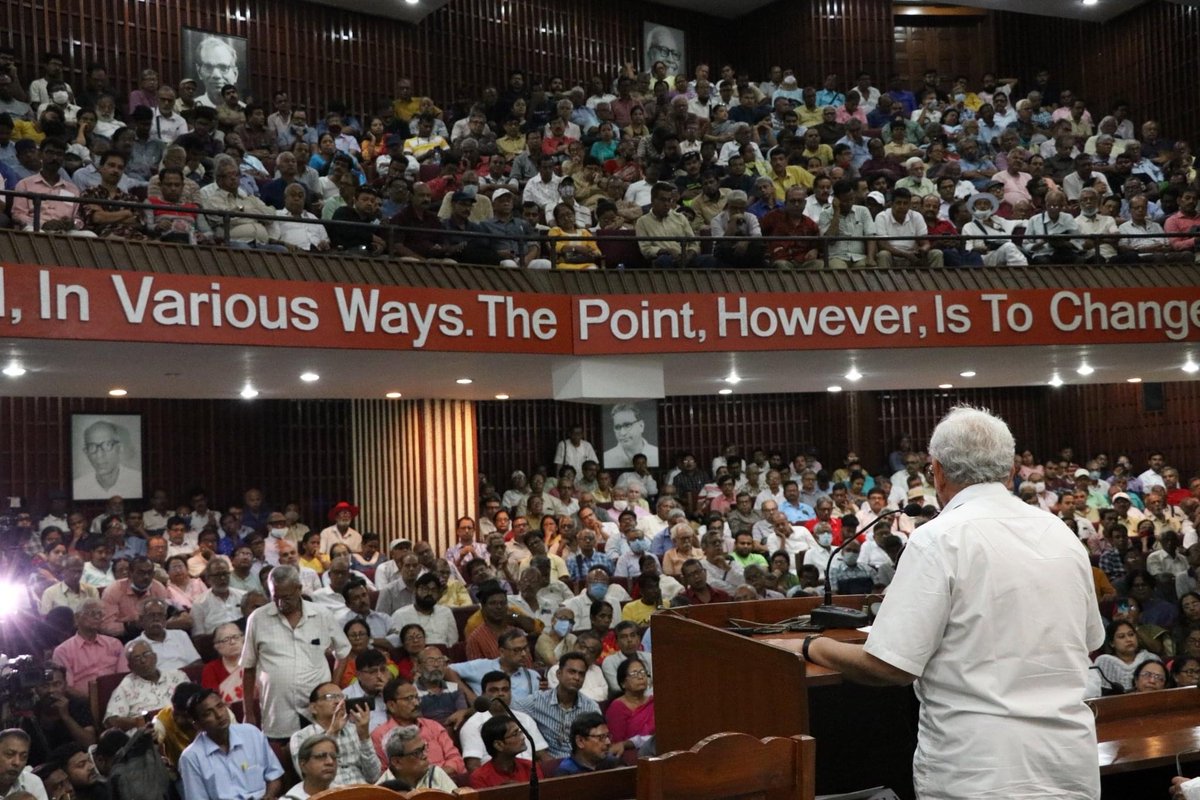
x=848, y=575
x=635, y=546
x=995, y=243
x=597, y=587
x=558, y=638
x=1099, y=246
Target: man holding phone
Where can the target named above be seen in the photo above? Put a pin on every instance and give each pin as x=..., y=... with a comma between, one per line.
x=334, y=715
x=367, y=692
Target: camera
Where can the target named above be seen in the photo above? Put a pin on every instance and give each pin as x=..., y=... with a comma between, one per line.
x=20, y=678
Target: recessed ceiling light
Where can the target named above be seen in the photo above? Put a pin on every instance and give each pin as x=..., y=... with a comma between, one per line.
x=1133, y=380
x=249, y=393
x=14, y=370
x=412, y=2
x=724, y=391
x=945, y=385
x=853, y=375
x=968, y=374
x=1191, y=366
x=1090, y=2
x=310, y=377
x=463, y=381
x=1085, y=369
x=734, y=378
x=1056, y=381
x=393, y=395
x=117, y=392
x=501, y=397
x=834, y=389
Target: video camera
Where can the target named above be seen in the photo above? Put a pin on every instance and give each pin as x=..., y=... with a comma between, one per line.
x=20, y=678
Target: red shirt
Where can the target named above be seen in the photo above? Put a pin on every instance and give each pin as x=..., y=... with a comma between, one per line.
x=715, y=596
x=488, y=775
x=778, y=223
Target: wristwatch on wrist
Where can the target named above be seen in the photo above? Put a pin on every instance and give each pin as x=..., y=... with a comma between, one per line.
x=804, y=648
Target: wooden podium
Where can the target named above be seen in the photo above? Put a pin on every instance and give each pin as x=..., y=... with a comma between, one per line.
x=708, y=679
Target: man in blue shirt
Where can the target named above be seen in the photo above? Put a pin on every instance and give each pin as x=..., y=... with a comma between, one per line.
x=592, y=746
x=227, y=761
x=514, y=648
x=793, y=508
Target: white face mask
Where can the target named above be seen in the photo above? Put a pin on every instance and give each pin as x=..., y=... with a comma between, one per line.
x=1040, y=486
x=981, y=214
x=60, y=98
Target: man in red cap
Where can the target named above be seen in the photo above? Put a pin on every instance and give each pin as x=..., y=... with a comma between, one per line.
x=340, y=531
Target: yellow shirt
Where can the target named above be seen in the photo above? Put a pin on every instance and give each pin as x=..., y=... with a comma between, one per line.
x=315, y=564
x=823, y=152
x=511, y=146
x=586, y=243
x=793, y=176
x=24, y=129
x=455, y=595
x=810, y=119
x=638, y=612
x=406, y=110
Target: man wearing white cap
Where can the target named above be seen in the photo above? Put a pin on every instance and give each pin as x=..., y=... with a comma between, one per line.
x=516, y=243
x=995, y=244
x=915, y=181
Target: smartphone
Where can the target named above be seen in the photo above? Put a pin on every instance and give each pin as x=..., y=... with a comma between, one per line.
x=358, y=702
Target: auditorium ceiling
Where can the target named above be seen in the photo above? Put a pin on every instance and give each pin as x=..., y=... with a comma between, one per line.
x=92, y=369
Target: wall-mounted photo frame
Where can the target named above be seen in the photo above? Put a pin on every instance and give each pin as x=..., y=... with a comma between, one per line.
x=106, y=456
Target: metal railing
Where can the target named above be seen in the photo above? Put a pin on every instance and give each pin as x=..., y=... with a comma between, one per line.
x=392, y=235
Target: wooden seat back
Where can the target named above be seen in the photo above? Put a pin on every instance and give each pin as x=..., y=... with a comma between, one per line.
x=732, y=765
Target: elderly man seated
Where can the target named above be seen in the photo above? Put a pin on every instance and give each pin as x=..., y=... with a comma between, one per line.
x=226, y=195
x=144, y=691
x=734, y=220
x=995, y=244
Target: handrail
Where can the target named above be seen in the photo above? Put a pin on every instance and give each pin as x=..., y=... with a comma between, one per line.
x=820, y=242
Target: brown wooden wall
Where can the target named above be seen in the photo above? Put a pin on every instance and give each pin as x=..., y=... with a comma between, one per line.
x=291, y=450
x=1149, y=57
x=951, y=45
x=319, y=53
x=816, y=37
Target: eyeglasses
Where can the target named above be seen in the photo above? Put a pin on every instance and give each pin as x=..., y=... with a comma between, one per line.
x=228, y=639
x=1152, y=677
x=92, y=448
x=418, y=753
x=323, y=756
x=1191, y=672
x=331, y=696
x=603, y=737
x=638, y=674
x=624, y=426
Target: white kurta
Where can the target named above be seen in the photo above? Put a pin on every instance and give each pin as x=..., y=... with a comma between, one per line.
x=994, y=609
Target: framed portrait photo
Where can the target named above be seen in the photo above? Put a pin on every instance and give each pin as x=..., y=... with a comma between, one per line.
x=106, y=456
x=214, y=60
x=666, y=44
x=630, y=429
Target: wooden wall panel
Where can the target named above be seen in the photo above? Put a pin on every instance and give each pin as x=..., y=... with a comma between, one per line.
x=1149, y=57
x=293, y=451
x=319, y=53
x=951, y=45
x=816, y=37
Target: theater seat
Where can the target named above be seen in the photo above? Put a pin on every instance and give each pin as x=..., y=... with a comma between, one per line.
x=729, y=765
x=461, y=615
x=100, y=691
x=204, y=646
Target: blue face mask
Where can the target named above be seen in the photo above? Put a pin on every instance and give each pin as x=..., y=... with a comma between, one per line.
x=562, y=627
x=825, y=539
x=597, y=591
x=638, y=545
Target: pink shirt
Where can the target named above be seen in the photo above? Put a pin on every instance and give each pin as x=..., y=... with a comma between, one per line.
x=1178, y=223
x=121, y=604
x=22, y=207
x=1014, y=186
x=85, y=661
x=441, y=750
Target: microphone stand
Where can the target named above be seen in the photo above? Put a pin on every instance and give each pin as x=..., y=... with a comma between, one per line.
x=830, y=615
x=533, y=767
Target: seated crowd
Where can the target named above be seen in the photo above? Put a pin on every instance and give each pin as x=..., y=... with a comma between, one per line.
x=627, y=170
x=242, y=653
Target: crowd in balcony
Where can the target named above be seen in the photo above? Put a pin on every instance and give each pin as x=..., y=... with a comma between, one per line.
x=615, y=171
x=324, y=656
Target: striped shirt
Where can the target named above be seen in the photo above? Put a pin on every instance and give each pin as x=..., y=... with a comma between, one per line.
x=553, y=720
x=357, y=762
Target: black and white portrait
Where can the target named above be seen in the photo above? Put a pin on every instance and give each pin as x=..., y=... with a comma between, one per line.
x=665, y=44
x=106, y=456
x=630, y=429
x=214, y=60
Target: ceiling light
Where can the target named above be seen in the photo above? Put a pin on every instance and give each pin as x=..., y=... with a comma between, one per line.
x=14, y=370
x=1133, y=380
x=834, y=389
x=968, y=374
x=1090, y=2
x=1085, y=369
x=1191, y=366
x=393, y=395
x=501, y=397
x=249, y=393
x=1056, y=381
x=725, y=391
x=463, y=381
x=412, y=2
x=853, y=375
x=310, y=377
x=117, y=392
x=734, y=378
x=945, y=385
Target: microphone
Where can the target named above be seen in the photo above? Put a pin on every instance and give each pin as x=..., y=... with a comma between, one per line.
x=485, y=704
x=829, y=615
